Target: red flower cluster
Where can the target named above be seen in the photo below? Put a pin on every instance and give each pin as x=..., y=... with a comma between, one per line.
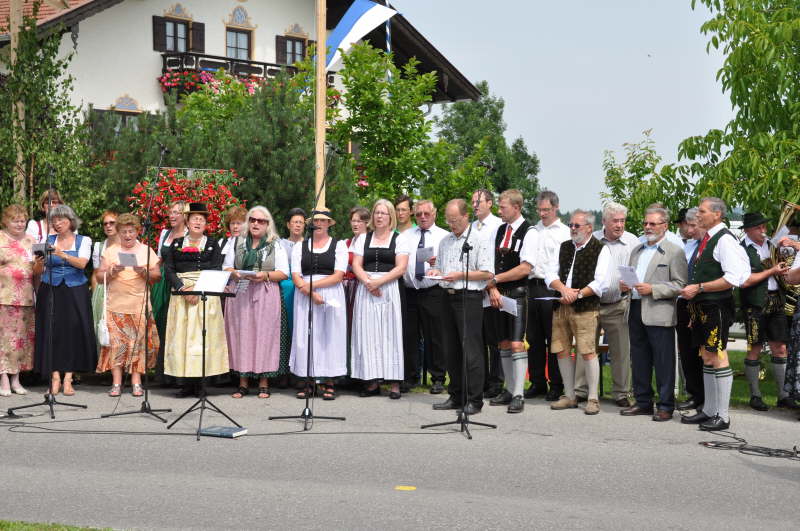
x=188, y=80
x=174, y=185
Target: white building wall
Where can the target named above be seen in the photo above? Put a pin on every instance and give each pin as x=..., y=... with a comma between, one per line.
x=115, y=55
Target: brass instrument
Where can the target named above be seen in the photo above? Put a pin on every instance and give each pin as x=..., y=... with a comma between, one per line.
x=792, y=291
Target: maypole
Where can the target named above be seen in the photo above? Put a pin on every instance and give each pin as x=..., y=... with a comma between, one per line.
x=320, y=106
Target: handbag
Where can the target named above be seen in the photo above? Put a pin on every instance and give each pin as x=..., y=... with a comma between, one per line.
x=103, y=337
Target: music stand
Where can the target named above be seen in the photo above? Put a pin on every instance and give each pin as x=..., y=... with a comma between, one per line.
x=203, y=402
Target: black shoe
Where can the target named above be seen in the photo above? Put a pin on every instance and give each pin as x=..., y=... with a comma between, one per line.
x=437, y=388
x=503, y=399
x=758, y=404
x=534, y=390
x=688, y=404
x=492, y=391
x=405, y=387
x=553, y=394
x=447, y=404
x=471, y=409
x=370, y=392
x=186, y=390
x=517, y=404
x=697, y=418
x=788, y=403
x=715, y=424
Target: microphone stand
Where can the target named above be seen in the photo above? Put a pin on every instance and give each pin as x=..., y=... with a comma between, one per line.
x=148, y=225
x=49, y=398
x=307, y=415
x=463, y=419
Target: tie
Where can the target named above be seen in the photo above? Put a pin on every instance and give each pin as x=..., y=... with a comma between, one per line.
x=419, y=270
x=507, y=239
x=702, y=246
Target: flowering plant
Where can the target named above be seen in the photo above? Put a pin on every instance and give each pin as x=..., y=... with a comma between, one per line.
x=186, y=80
x=212, y=187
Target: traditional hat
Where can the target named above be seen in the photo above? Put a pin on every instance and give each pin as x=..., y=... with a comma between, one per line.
x=681, y=216
x=753, y=219
x=197, y=208
x=321, y=214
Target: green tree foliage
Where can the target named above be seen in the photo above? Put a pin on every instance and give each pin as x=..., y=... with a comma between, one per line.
x=754, y=161
x=638, y=181
x=479, y=125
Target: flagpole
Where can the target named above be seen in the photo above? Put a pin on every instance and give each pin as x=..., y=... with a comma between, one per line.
x=320, y=104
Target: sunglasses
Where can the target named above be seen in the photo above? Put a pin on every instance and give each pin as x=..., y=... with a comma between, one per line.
x=576, y=225
x=255, y=221
x=653, y=223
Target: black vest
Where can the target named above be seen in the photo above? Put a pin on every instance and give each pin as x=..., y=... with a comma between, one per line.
x=707, y=269
x=318, y=263
x=379, y=259
x=582, y=271
x=756, y=296
x=508, y=259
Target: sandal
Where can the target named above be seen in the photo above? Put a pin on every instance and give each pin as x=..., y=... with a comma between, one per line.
x=55, y=386
x=241, y=392
x=305, y=393
x=263, y=392
x=137, y=390
x=115, y=391
x=328, y=392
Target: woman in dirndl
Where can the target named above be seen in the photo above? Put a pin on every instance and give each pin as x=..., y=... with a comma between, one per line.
x=380, y=260
x=183, y=348
x=109, y=222
x=255, y=320
x=126, y=314
x=321, y=262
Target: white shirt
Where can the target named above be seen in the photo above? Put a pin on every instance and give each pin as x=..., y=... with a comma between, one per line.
x=281, y=258
x=763, y=253
x=85, y=250
x=481, y=258
x=550, y=240
x=645, y=257
x=340, y=263
x=433, y=237
x=400, y=245
x=601, y=271
x=620, y=250
x=689, y=247
x=486, y=228
x=731, y=256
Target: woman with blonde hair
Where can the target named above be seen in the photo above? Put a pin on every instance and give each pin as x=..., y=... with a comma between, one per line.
x=255, y=320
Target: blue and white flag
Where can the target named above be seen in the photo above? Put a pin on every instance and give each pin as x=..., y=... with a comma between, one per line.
x=362, y=17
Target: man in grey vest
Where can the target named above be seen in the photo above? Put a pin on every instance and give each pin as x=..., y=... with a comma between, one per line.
x=720, y=265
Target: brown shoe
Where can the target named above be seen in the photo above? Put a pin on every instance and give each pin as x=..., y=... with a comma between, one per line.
x=662, y=416
x=632, y=411
x=592, y=407
x=564, y=403
x=622, y=402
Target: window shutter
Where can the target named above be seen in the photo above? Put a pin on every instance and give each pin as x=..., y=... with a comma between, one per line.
x=280, y=49
x=198, y=40
x=159, y=34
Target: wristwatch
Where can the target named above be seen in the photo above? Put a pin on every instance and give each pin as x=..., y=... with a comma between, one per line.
x=580, y=294
x=700, y=286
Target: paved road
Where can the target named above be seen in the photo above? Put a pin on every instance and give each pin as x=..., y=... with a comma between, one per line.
x=542, y=469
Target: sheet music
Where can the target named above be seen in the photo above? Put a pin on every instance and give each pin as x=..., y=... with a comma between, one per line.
x=628, y=275
x=212, y=281
x=424, y=254
x=508, y=305
x=783, y=231
x=127, y=259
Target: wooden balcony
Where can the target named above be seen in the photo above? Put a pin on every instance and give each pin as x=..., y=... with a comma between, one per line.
x=179, y=61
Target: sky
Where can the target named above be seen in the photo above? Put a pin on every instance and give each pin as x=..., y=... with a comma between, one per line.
x=583, y=76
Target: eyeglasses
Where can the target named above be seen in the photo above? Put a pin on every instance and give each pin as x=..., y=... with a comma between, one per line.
x=422, y=214
x=576, y=225
x=653, y=223
x=109, y=223
x=380, y=214
x=257, y=221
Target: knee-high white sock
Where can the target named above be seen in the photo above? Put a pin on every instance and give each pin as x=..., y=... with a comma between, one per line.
x=520, y=361
x=567, y=368
x=508, y=368
x=710, y=386
x=779, y=371
x=592, y=369
x=751, y=370
x=724, y=383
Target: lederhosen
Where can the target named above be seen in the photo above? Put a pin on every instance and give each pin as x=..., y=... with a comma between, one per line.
x=711, y=314
x=508, y=327
x=763, y=309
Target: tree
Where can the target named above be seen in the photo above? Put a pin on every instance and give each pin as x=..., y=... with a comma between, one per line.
x=468, y=124
x=638, y=181
x=754, y=160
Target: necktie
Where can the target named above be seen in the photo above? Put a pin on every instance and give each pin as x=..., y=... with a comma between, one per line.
x=702, y=246
x=507, y=238
x=419, y=270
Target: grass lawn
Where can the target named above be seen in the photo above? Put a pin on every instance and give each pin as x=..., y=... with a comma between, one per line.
x=26, y=526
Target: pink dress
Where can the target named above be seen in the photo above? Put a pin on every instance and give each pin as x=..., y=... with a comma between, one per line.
x=17, y=334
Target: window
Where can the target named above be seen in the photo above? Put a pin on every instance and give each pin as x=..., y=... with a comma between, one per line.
x=295, y=50
x=177, y=35
x=238, y=44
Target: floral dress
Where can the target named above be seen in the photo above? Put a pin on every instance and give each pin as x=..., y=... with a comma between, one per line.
x=17, y=334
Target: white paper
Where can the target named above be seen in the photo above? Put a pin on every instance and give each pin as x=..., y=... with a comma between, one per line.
x=486, y=301
x=783, y=231
x=39, y=248
x=628, y=276
x=434, y=277
x=508, y=305
x=547, y=299
x=246, y=273
x=127, y=259
x=424, y=254
x=212, y=281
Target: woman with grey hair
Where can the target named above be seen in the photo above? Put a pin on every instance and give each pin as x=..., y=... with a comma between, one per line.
x=256, y=326
x=65, y=340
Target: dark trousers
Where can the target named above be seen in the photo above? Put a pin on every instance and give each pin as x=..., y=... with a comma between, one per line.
x=540, y=328
x=453, y=334
x=691, y=362
x=422, y=317
x=652, y=347
x=492, y=369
